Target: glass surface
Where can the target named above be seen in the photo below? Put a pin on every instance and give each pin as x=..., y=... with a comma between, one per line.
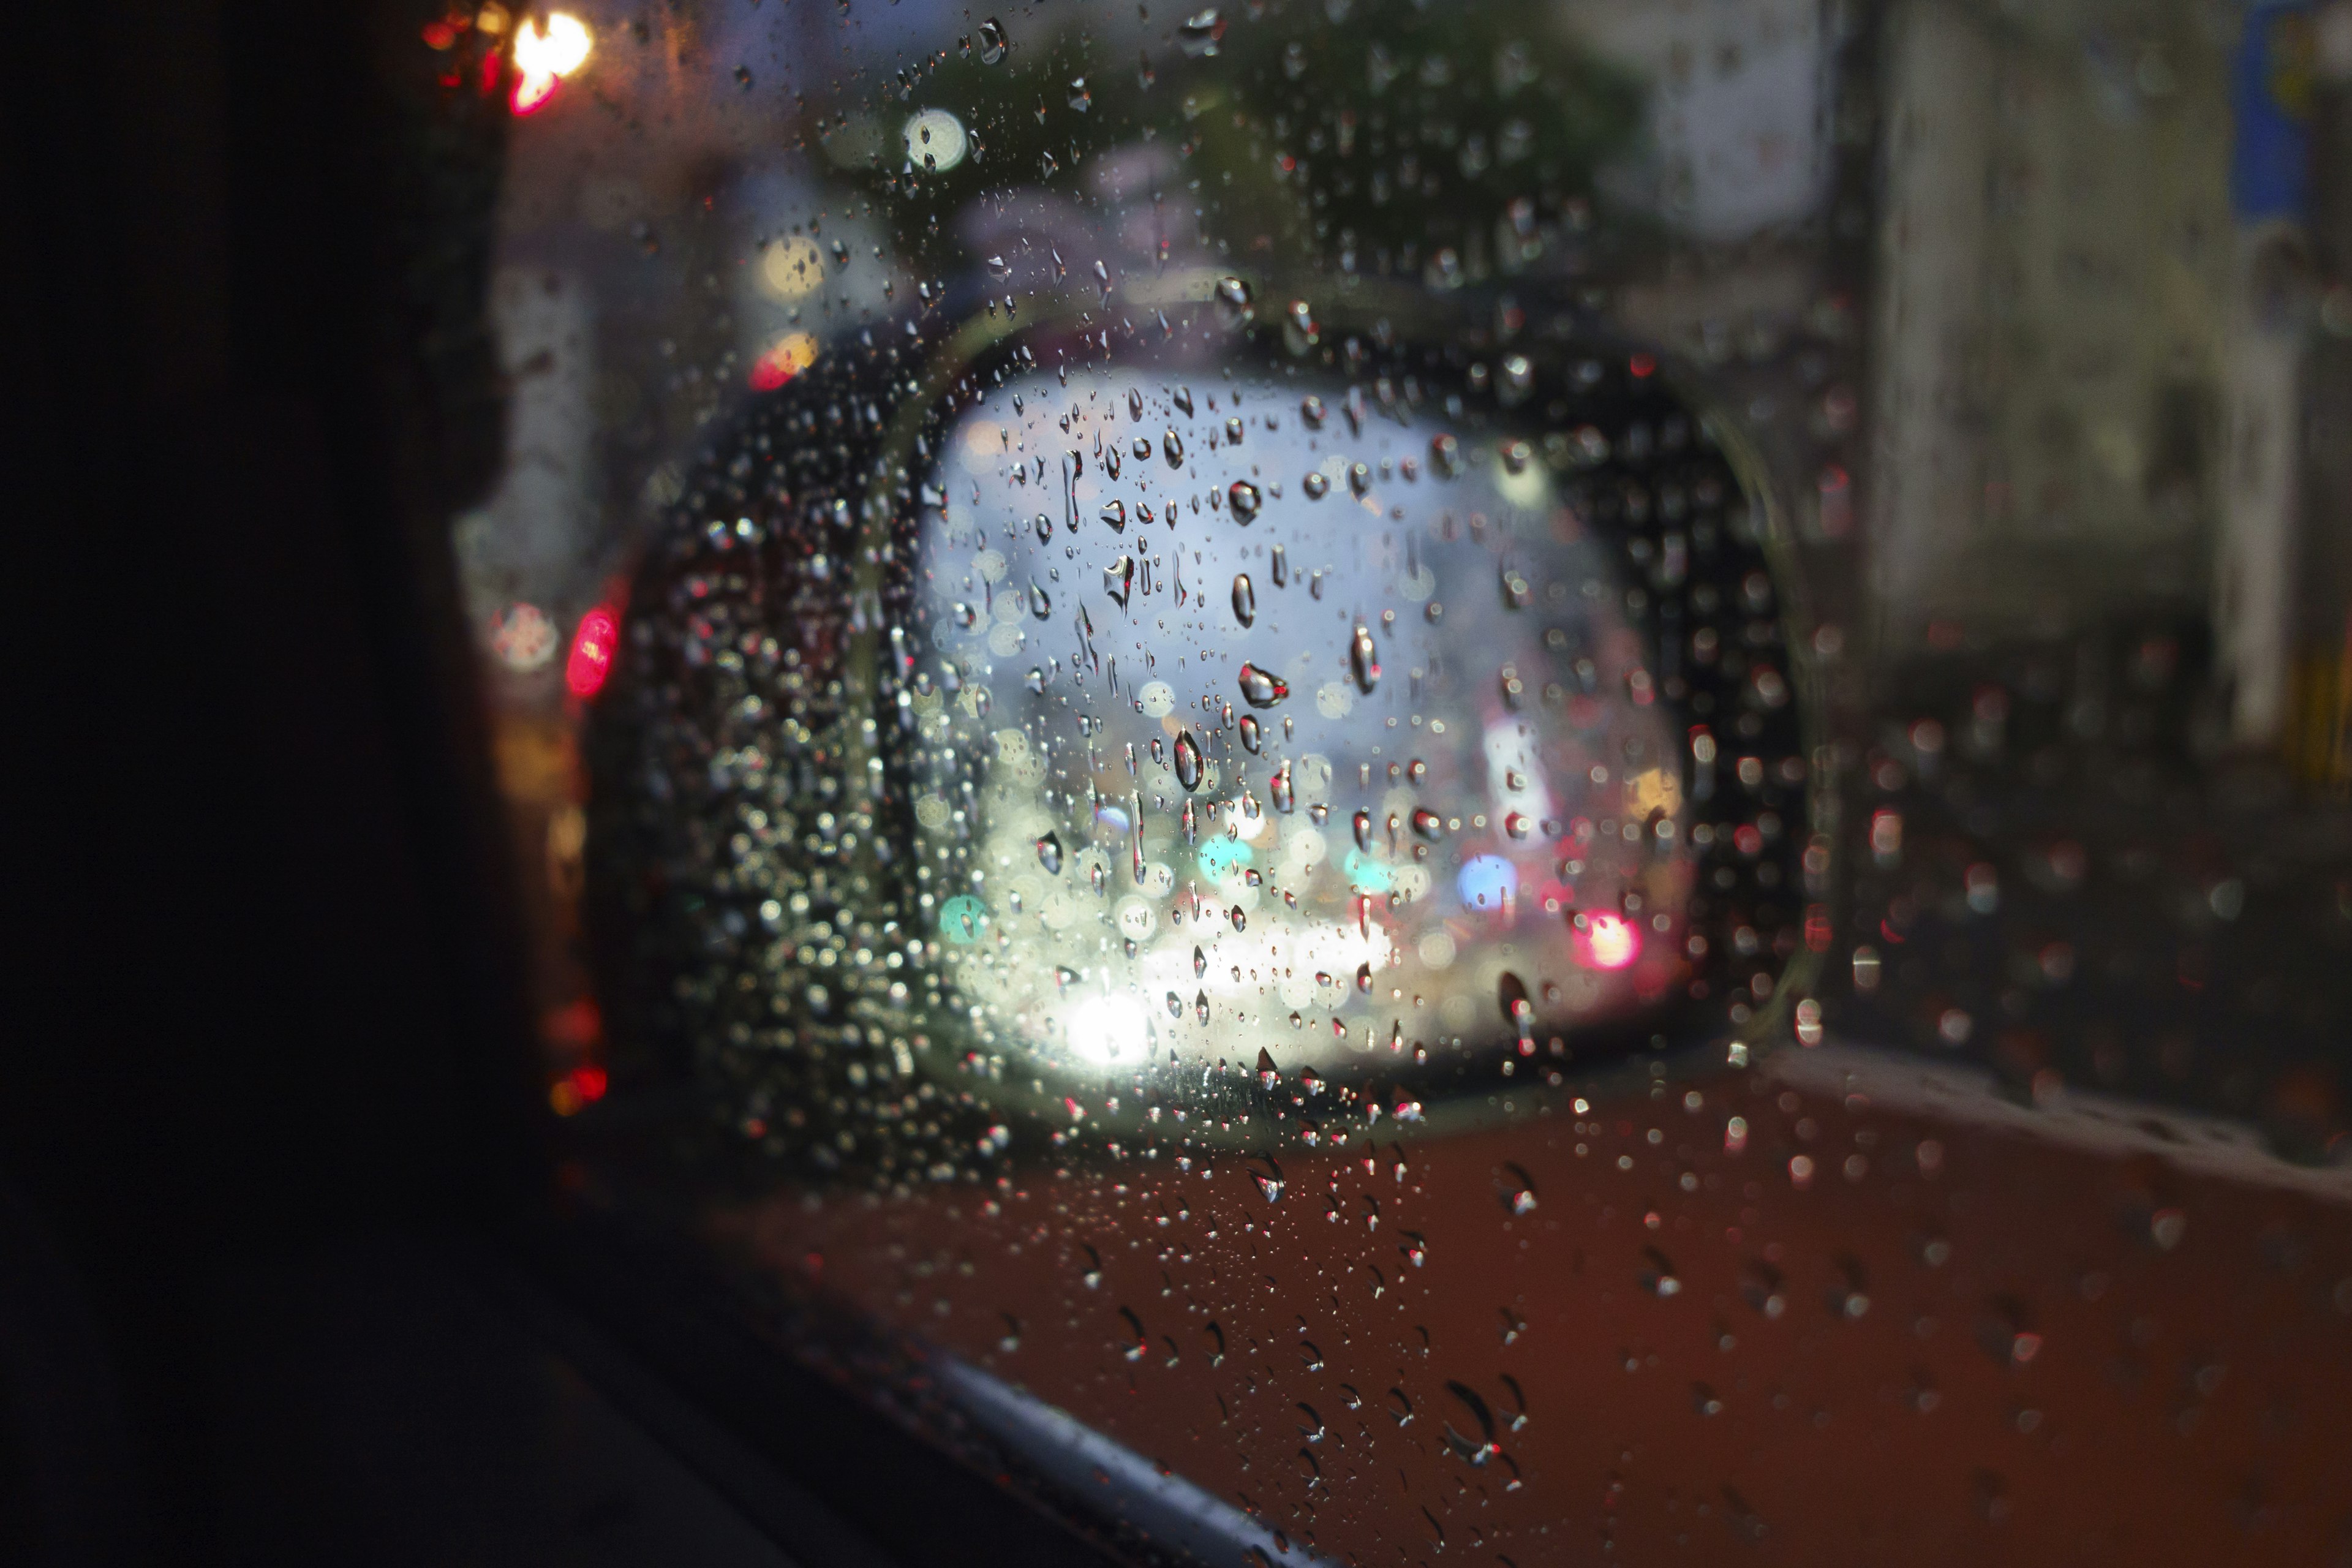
x=1531, y=778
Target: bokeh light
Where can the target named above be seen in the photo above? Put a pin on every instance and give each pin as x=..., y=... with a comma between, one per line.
x=786, y=358
x=592, y=652
x=544, y=55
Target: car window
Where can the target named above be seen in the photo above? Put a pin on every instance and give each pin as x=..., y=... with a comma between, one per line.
x=1362, y=779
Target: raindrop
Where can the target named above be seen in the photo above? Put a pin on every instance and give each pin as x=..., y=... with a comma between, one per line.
x=1657, y=1276
x=1316, y=485
x=1036, y=681
x=992, y=41
x=1519, y=1189
x=1189, y=765
x=1280, y=570
x=1260, y=687
x=1244, y=599
x=1364, y=831
x=1183, y=398
x=1045, y=529
x=1266, y=1073
x=1114, y=513
x=1243, y=499
x=1200, y=963
x=998, y=267
x=1428, y=824
x=1199, y=34
x=1233, y=300
x=1049, y=855
x=1042, y=606
x=1479, y=1452
x=1511, y=995
x=1172, y=446
x=1250, y=740
x=1241, y=918
x=1118, y=579
x=1201, y=1006
x=1298, y=329
x=1283, y=801
x=1359, y=479
x=1364, y=660
x=1269, y=1180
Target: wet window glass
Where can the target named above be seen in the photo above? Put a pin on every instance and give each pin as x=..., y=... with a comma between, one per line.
x=1536, y=779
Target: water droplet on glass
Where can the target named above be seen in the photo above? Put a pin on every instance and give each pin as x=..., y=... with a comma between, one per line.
x=1189, y=765
x=1243, y=497
x=1040, y=605
x=1036, y=680
x=1114, y=513
x=1201, y=1006
x=1519, y=1189
x=1199, y=34
x=1172, y=446
x=1118, y=579
x=1428, y=824
x=1364, y=660
x=1476, y=1452
x=1262, y=688
x=1200, y=963
x=1049, y=854
x=1364, y=831
x=1269, y=1178
x=1298, y=329
x=992, y=41
x=1250, y=740
x=1316, y=485
x=1283, y=801
x=1244, y=599
x=1233, y=300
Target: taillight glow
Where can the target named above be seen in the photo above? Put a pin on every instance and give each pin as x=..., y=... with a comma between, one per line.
x=786, y=358
x=544, y=55
x=592, y=652
x=1609, y=941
